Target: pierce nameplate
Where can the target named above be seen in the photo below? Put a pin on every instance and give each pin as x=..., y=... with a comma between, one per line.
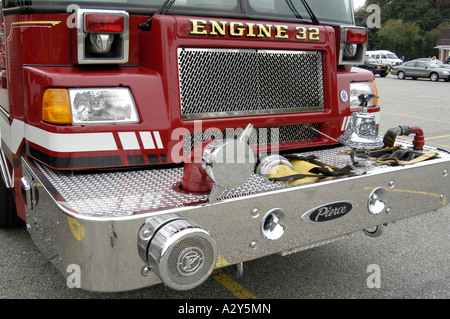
x=328, y=212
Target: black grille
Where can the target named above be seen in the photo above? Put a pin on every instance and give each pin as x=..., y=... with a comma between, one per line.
x=260, y=136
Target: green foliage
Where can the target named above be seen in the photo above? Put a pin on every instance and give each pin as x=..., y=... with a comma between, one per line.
x=410, y=28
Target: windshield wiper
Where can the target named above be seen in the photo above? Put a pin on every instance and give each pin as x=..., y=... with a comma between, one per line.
x=146, y=26
x=293, y=9
x=310, y=12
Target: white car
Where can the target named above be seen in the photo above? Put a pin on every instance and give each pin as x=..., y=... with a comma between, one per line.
x=385, y=57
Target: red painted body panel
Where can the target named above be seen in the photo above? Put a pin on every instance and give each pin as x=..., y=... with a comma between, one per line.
x=39, y=57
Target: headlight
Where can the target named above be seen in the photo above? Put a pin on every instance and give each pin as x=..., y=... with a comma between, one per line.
x=89, y=106
x=358, y=88
x=102, y=106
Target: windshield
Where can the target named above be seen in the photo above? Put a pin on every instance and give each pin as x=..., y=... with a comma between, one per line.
x=340, y=11
x=326, y=10
x=392, y=56
x=432, y=65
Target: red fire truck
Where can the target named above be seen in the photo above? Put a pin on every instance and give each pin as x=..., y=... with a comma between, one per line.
x=155, y=141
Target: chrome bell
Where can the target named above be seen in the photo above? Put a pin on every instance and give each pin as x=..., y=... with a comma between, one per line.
x=362, y=132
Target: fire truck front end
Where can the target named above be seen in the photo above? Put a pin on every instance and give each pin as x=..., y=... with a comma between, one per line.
x=155, y=141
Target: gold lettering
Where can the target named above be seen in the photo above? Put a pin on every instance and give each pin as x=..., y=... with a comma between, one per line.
x=301, y=33
x=218, y=29
x=251, y=31
x=266, y=29
x=197, y=27
x=281, y=32
x=236, y=29
x=314, y=34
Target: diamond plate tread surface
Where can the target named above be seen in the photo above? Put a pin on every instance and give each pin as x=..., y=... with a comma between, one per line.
x=124, y=193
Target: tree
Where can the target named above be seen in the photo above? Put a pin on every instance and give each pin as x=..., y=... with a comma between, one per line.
x=408, y=27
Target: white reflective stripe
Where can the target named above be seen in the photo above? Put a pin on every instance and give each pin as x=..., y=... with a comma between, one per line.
x=344, y=124
x=147, y=140
x=158, y=140
x=73, y=142
x=17, y=131
x=129, y=141
x=13, y=135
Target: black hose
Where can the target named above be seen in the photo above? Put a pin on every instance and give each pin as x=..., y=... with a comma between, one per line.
x=391, y=134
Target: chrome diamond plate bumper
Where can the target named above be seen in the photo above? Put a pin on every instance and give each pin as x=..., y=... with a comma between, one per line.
x=92, y=219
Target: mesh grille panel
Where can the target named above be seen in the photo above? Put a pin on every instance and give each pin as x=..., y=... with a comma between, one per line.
x=226, y=82
x=190, y=261
x=260, y=136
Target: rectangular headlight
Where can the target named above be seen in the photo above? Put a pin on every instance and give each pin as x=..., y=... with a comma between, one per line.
x=102, y=106
x=358, y=88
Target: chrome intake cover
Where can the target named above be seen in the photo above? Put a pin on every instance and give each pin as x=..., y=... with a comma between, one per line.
x=229, y=163
x=179, y=251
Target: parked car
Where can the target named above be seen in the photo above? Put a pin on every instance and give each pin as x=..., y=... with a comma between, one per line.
x=384, y=56
x=377, y=68
x=438, y=62
x=421, y=69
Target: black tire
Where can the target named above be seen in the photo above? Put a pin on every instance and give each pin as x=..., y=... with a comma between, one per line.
x=401, y=75
x=434, y=77
x=8, y=213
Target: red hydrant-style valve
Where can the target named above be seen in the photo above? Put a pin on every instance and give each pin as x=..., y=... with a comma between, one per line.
x=403, y=130
x=419, y=139
x=195, y=179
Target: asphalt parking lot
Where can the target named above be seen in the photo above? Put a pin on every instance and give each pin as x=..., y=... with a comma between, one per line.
x=412, y=257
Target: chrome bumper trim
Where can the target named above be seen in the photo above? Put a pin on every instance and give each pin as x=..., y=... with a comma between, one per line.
x=105, y=247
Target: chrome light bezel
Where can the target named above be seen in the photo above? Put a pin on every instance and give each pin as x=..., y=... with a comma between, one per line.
x=82, y=35
x=356, y=57
x=126, y=95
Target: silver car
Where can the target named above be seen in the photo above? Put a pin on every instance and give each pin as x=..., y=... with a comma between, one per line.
x=421, y=69
x=438, y=62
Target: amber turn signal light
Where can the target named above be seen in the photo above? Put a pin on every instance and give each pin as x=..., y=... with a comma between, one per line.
x=56, y=106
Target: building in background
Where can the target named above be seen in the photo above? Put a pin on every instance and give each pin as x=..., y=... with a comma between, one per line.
x=443, y=44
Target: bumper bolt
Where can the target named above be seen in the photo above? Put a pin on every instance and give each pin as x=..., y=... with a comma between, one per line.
x=146, y=271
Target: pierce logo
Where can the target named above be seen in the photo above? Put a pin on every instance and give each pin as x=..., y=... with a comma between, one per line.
x=327, y=212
